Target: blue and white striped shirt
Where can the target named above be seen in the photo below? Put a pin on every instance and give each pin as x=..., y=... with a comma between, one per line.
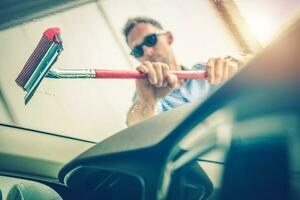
x=192, y=89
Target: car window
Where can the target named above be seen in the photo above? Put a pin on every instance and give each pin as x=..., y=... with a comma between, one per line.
x=92, y=38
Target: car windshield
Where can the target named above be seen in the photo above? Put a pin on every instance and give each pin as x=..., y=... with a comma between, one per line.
x=91, y=32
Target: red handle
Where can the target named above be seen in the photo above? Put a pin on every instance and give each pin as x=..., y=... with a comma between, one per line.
x=137, y=75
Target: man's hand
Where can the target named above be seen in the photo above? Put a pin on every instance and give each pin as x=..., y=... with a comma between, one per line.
x=159, y=82
x=221, y=69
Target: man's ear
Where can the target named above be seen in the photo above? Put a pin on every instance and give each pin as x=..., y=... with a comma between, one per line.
x=170, y=38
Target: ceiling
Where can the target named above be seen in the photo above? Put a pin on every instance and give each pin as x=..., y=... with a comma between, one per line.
x=14, y=12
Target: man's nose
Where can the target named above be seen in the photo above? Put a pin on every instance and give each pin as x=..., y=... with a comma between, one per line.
x=148, y=51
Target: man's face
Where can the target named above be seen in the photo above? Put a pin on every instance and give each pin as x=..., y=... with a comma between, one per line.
x=161, y=52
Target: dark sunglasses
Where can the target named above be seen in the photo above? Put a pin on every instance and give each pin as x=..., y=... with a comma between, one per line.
x=149, y=41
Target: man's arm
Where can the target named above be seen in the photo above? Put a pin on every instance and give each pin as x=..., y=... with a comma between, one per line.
x=140, y=111
x=159, y=84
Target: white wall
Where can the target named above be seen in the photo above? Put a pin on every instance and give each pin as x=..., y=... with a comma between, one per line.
x=268, y=17
x=95, y=109
x=198, y=30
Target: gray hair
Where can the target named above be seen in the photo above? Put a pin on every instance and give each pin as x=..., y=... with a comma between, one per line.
x=131, y=22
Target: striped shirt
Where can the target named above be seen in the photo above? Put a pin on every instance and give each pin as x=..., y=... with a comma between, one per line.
x=192, y=89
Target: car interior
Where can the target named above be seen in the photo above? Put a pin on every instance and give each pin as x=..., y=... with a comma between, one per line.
x=247, y=131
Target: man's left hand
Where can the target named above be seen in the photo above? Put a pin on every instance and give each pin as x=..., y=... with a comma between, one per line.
x=220, y=70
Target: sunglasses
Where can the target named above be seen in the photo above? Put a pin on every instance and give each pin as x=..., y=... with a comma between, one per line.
x=149, y=41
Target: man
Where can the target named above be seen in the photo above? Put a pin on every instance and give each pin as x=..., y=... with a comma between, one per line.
x=161, y=91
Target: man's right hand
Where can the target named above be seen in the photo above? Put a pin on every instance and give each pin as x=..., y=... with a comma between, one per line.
x=159, y=82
